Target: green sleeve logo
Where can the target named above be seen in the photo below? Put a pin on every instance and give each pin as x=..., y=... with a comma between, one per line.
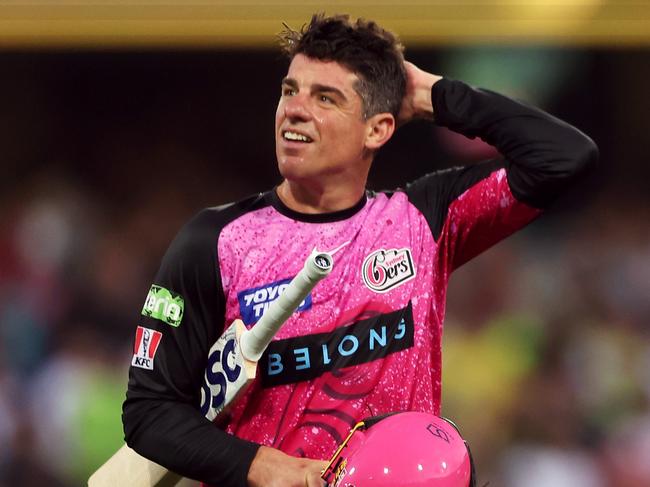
x=164, y=305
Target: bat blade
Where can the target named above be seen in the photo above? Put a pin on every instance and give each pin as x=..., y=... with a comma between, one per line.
x=137, y=470
x=229, y=373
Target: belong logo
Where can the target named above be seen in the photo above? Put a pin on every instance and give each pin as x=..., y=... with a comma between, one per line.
x=385, y=269
x=255, y=301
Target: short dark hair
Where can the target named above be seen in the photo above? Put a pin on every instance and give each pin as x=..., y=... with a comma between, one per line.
x=374, y=54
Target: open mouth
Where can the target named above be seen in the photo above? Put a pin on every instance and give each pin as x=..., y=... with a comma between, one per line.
x=295, y=137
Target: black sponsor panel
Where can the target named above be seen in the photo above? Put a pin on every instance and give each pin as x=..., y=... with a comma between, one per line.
x=307, y=357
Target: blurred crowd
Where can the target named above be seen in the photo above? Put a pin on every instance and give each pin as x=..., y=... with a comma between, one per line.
x=546, y=348
x=547, y=366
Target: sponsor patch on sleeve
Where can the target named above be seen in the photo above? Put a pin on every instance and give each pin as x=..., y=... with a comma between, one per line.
x=164, y=305
x=146, y=345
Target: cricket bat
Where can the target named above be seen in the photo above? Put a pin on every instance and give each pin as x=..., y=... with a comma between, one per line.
x=233, y=358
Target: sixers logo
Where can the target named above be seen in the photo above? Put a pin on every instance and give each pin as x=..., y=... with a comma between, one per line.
x=385, y=269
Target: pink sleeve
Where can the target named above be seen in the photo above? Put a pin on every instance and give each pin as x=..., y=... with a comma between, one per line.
x=481, y=216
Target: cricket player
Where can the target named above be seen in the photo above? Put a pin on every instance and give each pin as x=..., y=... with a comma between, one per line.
x=367, y=339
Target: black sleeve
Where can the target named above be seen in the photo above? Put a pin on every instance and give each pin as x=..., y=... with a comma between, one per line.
x=161, y=415
x=543, y=155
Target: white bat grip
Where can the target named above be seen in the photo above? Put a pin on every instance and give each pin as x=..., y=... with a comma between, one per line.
x=254, y=341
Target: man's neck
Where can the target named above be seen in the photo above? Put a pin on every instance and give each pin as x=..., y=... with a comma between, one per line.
x=314, y=200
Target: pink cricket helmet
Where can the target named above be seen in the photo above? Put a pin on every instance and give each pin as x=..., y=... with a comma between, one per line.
x=409, y=449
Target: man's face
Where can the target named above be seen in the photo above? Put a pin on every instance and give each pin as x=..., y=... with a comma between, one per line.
x=319, y=125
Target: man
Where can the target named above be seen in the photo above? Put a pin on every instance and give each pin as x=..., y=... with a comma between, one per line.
x=368, y=338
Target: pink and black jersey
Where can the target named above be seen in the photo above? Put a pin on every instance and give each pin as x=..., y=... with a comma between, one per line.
x=367, y=340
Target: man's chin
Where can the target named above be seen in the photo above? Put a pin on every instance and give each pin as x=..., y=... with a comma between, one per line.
x=292, y=167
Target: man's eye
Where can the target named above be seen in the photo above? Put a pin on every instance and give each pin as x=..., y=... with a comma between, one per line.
x=288, y=91
x=326, y=99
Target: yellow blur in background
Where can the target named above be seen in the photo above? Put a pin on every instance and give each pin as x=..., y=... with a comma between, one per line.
x=246, y=23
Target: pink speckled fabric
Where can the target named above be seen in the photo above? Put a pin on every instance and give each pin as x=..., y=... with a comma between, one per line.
x=310, y=418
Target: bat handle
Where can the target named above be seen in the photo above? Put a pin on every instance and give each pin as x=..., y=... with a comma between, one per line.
x=254, y=341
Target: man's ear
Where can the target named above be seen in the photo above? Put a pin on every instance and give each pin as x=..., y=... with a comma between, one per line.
x=380, y=129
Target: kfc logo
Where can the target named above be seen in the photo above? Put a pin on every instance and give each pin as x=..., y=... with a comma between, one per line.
x=144, y=350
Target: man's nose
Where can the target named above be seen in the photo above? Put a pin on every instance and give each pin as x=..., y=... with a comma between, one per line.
x=296, y=109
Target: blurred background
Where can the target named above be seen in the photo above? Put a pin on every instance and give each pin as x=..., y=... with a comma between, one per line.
x=119, y=120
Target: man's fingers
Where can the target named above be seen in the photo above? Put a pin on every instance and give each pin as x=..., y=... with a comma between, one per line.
x=313, y=475
x=313, y=479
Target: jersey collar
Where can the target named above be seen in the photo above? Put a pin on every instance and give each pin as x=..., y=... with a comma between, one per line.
x=274, y=200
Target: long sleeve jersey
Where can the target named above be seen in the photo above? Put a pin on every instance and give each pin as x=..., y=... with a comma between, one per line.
x=367, y=339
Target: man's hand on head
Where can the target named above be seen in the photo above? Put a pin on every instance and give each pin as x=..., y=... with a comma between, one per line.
x=417, y=99
x=273, y=468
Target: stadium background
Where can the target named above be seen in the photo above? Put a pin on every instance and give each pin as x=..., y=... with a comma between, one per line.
x=119, y=120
